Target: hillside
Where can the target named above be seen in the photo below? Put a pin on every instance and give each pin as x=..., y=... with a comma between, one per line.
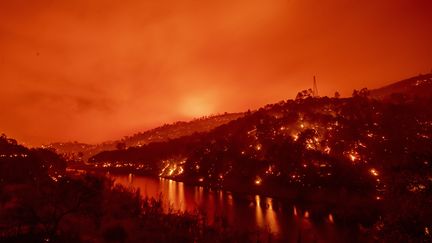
x=163, y=133
x=419, y=86
x=301, y=144
x=19, y=164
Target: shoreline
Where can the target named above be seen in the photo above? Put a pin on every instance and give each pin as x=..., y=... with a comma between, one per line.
x=319, y=201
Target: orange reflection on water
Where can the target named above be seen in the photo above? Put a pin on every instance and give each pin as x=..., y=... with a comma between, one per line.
x=262, y=213
x=265, y=215
x=258, y=212
x=271, y=217
x=330, y=217
x=181, y=196
x=230, y=199
x=174, y=196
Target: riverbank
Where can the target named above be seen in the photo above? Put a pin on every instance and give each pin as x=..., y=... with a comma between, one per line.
x=243, y=211
x=344, y=207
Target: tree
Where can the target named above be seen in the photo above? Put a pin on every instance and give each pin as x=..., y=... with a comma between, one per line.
x=304, y=94
x=121, y=146
x=337, y=95
x=363, y=93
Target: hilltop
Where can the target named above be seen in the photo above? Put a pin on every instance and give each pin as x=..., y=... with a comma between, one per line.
x=416, y=87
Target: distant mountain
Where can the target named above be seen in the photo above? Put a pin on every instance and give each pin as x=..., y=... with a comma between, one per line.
x=20, y=164
x=159, y=134
x=179, y=129
x=419, y=86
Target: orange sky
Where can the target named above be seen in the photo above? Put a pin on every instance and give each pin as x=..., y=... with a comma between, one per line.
x=97, y=70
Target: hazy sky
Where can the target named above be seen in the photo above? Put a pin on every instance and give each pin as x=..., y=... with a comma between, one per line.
x=97, y=70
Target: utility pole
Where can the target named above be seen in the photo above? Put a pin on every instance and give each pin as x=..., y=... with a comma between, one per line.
x=315, y=88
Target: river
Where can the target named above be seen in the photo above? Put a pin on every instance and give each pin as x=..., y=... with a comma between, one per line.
x=284, y=220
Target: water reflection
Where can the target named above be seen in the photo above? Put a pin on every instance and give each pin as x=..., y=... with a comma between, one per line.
x=172, y=192
x=230, y=199
x=330, y=218
x=265, y=215
x=239, y=211
x=258, y=212
x=271, y=217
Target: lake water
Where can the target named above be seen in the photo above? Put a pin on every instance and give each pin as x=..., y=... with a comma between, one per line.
x=287, y=222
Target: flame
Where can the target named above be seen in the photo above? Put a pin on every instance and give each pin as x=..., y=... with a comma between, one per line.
x=373, y=172
x=330, y=217
x=258, y=181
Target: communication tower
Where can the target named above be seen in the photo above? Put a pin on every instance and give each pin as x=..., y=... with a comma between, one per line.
x=315, y=88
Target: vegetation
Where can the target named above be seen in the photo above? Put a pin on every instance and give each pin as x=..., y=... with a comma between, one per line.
x=358, y=154
x=39, y=205
x=78, y=151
